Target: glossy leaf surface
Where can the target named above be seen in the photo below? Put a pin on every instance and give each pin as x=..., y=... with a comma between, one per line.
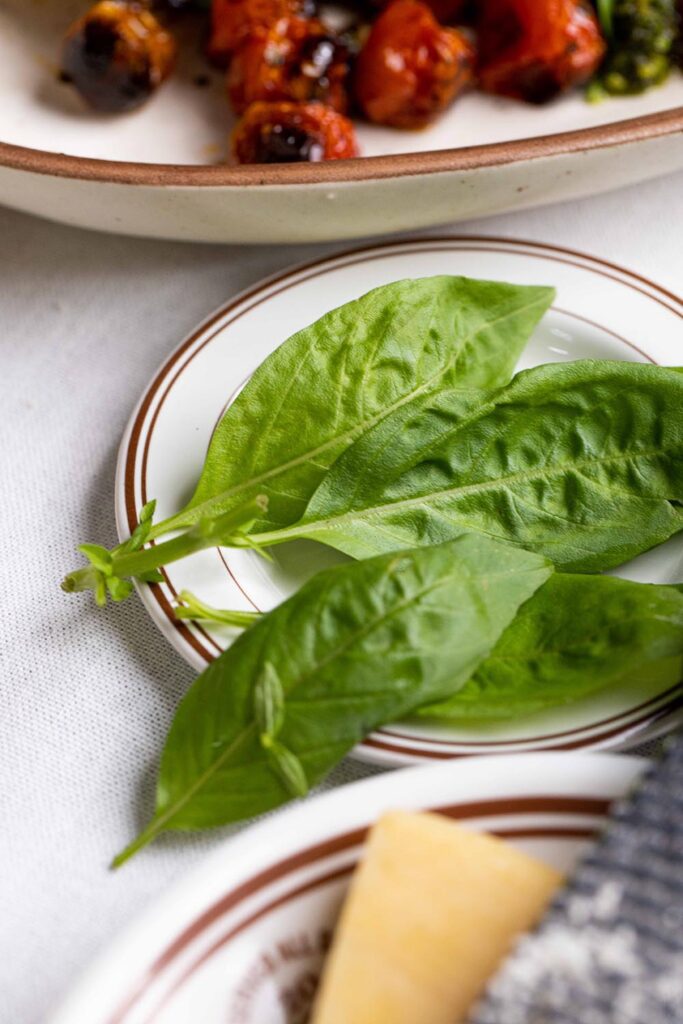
x=574, y=637
x=580, y=461
x=327, y=384
x=359, y=645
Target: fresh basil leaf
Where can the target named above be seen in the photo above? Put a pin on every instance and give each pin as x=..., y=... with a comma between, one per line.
x=98, y=557
x=147, y=512
x=358, y=645
x=326, y=385
x=101, y=590
x=118, y=589
x=582, y=462
x=153, y=576
x=287, y=767
x=577, y=635
x=142, y=531
x=269, y=703
x=606, y=15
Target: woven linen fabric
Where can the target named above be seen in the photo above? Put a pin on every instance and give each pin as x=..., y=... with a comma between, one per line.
x=87, y=696
x=610, y=950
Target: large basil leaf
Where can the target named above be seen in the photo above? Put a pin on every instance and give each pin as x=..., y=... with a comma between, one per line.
x=580, y=461
x=360, y=644
x=575, y=636
x=330, y=382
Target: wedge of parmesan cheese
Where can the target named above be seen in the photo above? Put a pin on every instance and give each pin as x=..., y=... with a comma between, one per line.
x=432, y=911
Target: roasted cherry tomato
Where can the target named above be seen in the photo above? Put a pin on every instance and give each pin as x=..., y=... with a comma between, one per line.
x=232, y=20
x=449, y=11
x=116, y=55
x=284, y=133
x=297, y=59
x=446, y=11
x=411, y=67
x=534, y=49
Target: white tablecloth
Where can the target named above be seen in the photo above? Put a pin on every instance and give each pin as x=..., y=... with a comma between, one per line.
x=86, y=696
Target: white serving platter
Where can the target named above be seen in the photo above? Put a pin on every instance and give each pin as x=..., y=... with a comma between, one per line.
x=160, y=171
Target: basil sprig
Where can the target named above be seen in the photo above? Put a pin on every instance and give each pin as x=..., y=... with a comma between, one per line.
x=332, y=381
x=577, y=636
x=358, y=645
x=581, y=461
x=329, y=383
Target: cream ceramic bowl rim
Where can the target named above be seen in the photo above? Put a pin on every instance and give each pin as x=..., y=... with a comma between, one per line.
x=361, y=169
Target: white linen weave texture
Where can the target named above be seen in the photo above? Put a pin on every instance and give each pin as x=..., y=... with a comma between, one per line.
x=86, y=696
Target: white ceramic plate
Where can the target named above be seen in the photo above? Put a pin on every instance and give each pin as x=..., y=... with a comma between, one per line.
x=244, y=935
x=151, y=173
x=601, y=311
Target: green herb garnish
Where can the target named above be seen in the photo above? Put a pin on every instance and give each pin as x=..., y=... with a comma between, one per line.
x=358, y=645
x=641, y=36
x=581, y=461
x=390, y=430
x=576, y=636
x=321, y=389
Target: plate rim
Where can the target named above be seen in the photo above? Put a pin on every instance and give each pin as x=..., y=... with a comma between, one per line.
x=384, y=750
x=358, y=170
x=326, y=815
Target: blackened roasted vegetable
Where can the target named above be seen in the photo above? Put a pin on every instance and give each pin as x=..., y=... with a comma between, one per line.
x=285, y=133
x=641, y=35
x=296, y=59
x=117, y=55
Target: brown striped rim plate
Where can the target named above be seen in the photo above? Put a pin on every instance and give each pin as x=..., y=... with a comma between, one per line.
x=242, y=939
x=602, y=310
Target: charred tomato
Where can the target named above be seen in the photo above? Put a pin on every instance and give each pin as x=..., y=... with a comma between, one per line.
x=233, y=20
x=535, y=49
x=276, y=133
x=117, y=55
x=296, y=59
x=411, y=67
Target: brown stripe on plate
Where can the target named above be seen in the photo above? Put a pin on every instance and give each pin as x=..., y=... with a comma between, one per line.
x=306, y=272
x=673, y=690
x=362, y=169
x=621, y=730
x=327, y=879
x=512, y=806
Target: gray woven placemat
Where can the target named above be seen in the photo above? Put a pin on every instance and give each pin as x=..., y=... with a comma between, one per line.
x=610, y=950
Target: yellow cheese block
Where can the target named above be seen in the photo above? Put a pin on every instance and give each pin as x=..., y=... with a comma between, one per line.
x=431, y=912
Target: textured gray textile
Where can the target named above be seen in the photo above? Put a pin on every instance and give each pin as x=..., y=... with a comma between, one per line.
x=86, y=696
x=610, y=951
